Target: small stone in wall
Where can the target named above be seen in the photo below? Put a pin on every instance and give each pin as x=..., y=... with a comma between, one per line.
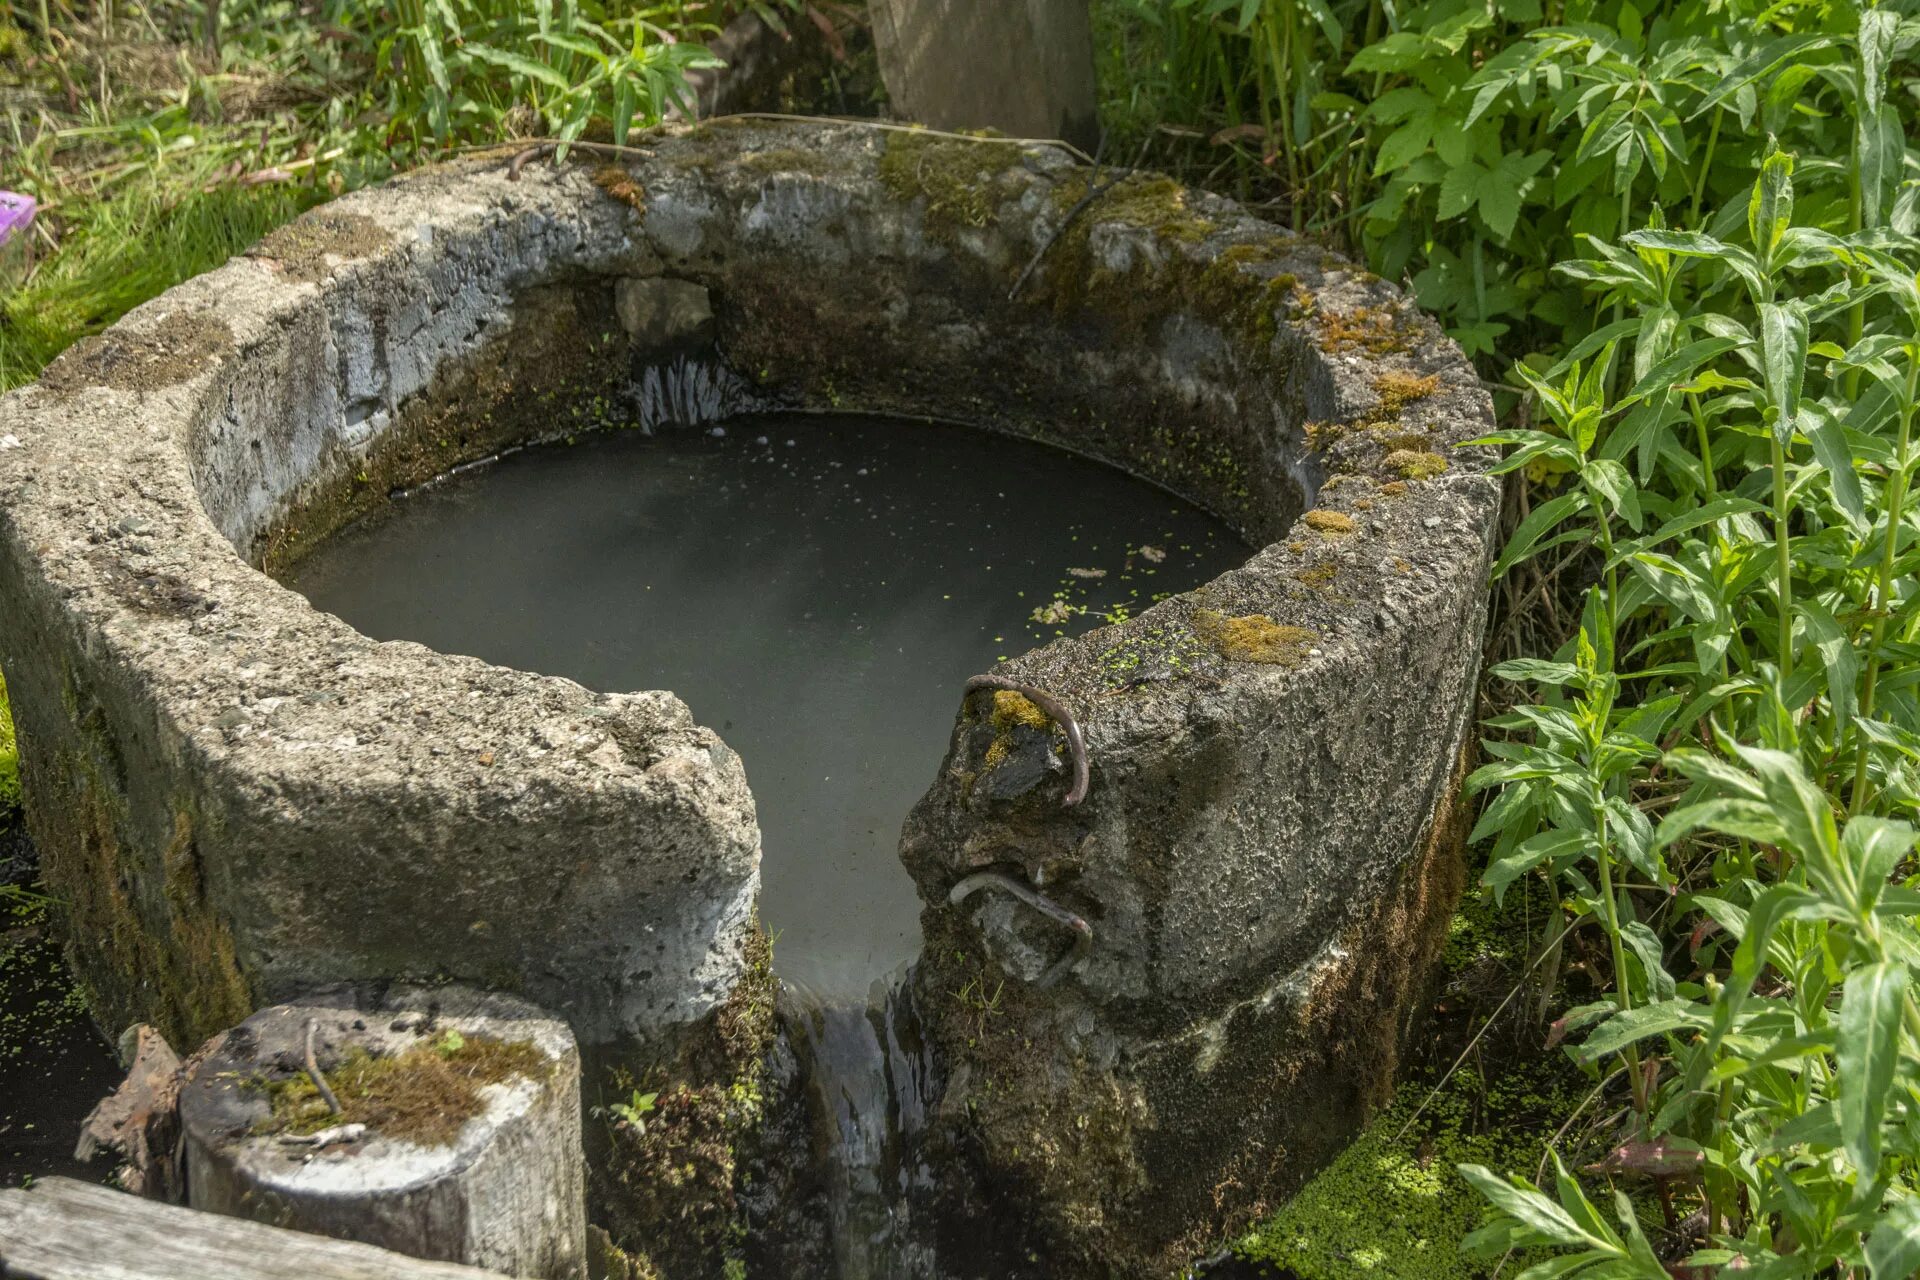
x=660, y=312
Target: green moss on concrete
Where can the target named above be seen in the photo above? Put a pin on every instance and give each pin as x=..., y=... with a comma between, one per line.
x=1254, y=637
x=1392, y=1204
x=9, y=763
x=302, y=246
x=1415, y=464
x=423, y=1096
x=670, y=1182
x=962, y=180
x=1151, y=201
x=177, y=348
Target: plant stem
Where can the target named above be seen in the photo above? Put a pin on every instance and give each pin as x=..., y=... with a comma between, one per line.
x=1622, y=996
x=1883, y=588
x=1783, y=563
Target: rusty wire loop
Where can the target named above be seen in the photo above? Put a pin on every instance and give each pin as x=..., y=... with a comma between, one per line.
x=1076, y=741
x=1082, y=931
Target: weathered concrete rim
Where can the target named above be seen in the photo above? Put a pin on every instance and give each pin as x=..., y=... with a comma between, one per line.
x=123, y=503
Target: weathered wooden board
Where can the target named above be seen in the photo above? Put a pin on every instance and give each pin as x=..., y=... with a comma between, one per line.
x=67, y=1230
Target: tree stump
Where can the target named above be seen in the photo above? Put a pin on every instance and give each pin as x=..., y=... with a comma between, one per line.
x=444, y=1124
x=1021, y=66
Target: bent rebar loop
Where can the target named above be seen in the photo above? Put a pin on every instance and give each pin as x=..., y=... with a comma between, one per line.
x=1076, y=741
x=1082, y=931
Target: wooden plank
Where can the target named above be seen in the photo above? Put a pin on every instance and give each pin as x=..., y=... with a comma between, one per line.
x=67, y=1230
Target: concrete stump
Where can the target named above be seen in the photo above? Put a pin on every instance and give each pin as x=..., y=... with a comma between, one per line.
x=457, y=1137
x=1024, y=67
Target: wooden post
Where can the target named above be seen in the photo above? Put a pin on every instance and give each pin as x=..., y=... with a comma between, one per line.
x=1024, y=67
x=395, y=1162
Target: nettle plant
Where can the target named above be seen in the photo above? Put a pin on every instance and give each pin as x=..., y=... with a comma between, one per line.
x=1718, y=770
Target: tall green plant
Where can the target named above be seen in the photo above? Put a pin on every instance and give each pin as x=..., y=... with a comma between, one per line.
x=1746, y=494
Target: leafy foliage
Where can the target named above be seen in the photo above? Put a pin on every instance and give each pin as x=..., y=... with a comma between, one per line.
x=1690, y=229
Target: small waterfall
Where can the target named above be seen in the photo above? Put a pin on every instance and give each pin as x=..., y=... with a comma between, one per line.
x=869, y=1079
x=692, y=390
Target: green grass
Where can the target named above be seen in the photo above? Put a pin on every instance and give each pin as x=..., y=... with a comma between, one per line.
x=126, y=250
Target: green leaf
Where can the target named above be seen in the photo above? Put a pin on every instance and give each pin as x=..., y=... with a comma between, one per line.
x=1866, y=1051
x=1632, y=1025
x=1893, y=1250
x=519, y=64
x=1459, y=189
x=1527, y=1206
x=1783, y=362
x=1770, y=207
x=1538, y=521
x=1874, y=847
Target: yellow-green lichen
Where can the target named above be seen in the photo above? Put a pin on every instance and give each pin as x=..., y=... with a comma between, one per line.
x=423, y=1096
x=962, y=180
x=1414, y=464
x=1320, y=575
x=1254, y=637
x=1333, y=524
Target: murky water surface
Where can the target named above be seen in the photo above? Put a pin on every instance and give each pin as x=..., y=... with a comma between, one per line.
x=816, y=589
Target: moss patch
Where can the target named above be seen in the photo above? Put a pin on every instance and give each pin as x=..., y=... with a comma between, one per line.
x=670, y=1183
x=1150, y=201
x=165, y=957
x=9, y=763
x=1254, y=637
x=161, y=355
x=1414, y=464
x=962, y=180
x=1397, y=390
x=422, y=1096
x=302, y=246
x=1374, y=330
x=1331, y=523
x=620, y=184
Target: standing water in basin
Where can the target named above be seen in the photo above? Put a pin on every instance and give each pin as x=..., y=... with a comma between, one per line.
x=817, y=590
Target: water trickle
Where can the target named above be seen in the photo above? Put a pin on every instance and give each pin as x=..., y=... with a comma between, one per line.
x=692, y=391
x=818, y=590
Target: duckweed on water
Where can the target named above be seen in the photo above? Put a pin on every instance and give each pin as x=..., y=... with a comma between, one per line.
x=422, y=1096
x=1392, y=1204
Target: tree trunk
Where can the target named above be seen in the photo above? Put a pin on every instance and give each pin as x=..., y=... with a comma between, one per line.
x=503, y=1189
x=1024, y=67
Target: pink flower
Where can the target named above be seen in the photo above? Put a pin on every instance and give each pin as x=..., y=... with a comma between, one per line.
x=16, y=213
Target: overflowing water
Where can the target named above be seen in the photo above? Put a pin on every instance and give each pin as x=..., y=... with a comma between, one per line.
x=817, y=590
